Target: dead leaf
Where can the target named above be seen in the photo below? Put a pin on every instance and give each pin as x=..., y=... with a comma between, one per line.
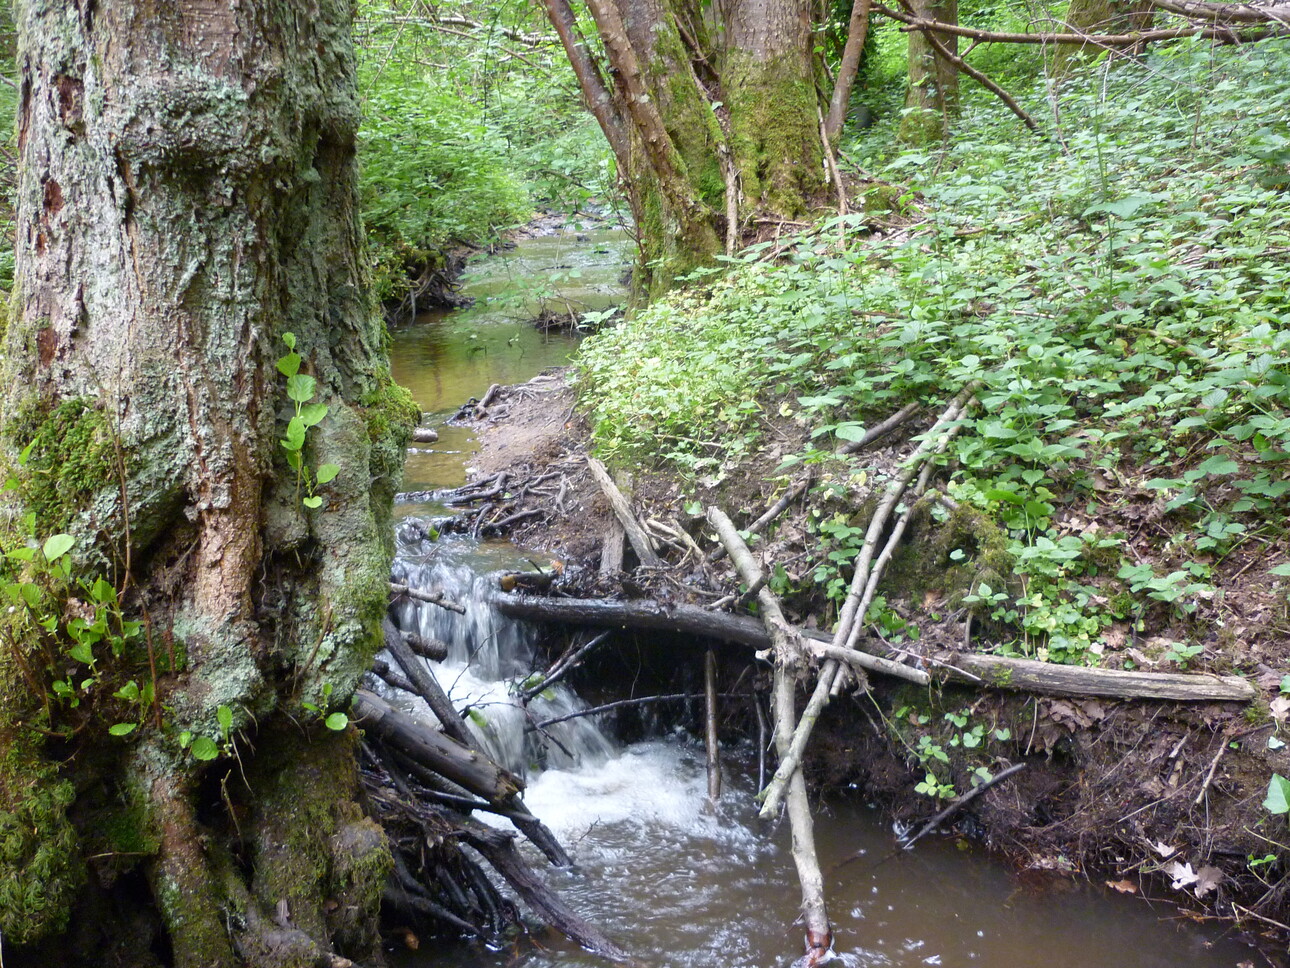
x=1207, y=878
x=1114, y=637
x=931, y=598
x=1163, y=849
x=1124, y=887
x=1280, y=708
x=1182, y=874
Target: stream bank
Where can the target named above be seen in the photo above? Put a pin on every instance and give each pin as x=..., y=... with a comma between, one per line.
x=1152, y=798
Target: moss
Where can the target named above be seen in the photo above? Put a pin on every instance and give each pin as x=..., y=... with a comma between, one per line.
x=774, y=134
x=310, y=841
x=40, y=868
x=390, y=415
x=72, y=458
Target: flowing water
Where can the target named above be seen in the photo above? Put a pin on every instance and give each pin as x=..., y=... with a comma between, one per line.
x=673, y=881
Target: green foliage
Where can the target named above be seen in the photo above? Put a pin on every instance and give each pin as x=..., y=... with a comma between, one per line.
x=1120, y=294
x=301, y=389
x=432, y=177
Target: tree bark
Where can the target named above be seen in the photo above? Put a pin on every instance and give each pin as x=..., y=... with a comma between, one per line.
x=857, y=32
x=933, y=94
x=187, y=197
x=709, y=116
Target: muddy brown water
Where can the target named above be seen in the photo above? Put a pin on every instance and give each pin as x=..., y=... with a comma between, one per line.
x=671, y=879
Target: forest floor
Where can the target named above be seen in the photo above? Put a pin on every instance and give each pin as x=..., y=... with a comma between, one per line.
x=1162, y=799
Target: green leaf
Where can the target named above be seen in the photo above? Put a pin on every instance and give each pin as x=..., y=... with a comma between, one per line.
x=295, y=438
x=300, y=387
x=1282, y=569
x=22, y=554
x=327, y=473
x=123, y=729
x=850, y=431
x=128, y=692
x=313, y=413
x=1219, y=464
x=204, y=748
x=290, y=339
x=1277, y=801
x=185, y=738
x=313, y=502
x=336, y=721
x=102, y=591
x=82, y=652
x=224, y=716
x=289, y=365
x=57, y=545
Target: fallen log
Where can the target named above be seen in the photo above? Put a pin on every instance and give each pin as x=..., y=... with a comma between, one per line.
x=431, y=748
x=1046, y=678
x=981, y=671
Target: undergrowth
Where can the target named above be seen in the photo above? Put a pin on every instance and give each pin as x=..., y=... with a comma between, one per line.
x=1119, y=289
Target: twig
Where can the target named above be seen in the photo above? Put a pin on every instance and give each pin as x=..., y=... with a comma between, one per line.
x=1209, y=776
x=959, y=802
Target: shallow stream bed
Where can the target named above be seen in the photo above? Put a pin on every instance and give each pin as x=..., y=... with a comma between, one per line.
x=666, y=876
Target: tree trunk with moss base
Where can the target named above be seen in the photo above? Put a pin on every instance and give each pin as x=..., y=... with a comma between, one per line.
x=186, y=199
x=715, y=126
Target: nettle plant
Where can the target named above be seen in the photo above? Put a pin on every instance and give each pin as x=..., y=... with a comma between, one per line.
x=301, y=389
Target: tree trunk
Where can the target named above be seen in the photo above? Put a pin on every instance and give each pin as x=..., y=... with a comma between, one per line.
x=714, y=124
x=187, y=198
x=1099, y=17
x=933, y=95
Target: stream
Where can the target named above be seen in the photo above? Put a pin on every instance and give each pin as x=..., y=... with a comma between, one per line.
x=672, y=881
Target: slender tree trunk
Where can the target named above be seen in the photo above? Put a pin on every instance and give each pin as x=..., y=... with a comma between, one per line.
x=187, y=200
x=933, y=94
x=857, y=32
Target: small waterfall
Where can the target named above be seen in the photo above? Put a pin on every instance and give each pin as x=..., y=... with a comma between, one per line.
x=489, y=655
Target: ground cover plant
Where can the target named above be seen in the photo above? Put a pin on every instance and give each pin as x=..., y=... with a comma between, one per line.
x=1115, y=291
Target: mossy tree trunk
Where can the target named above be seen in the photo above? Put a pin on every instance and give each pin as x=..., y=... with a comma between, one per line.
x=932, y=98
x=713, y=116
x=1099, y=17
x=187, y=199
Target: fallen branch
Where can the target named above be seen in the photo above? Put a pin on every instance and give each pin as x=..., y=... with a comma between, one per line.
x=881, y=430
x=1228, y=34
x=428, y=688
x=710, y=742
x=433, y=749
x=434, y=598
x=959, y=802
x=851, y=619
x=622, y=510
x=498, y=848
x=787, y=645
x=964, y=67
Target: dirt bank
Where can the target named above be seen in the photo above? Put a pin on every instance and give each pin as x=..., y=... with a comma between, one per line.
x=1162, y=799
